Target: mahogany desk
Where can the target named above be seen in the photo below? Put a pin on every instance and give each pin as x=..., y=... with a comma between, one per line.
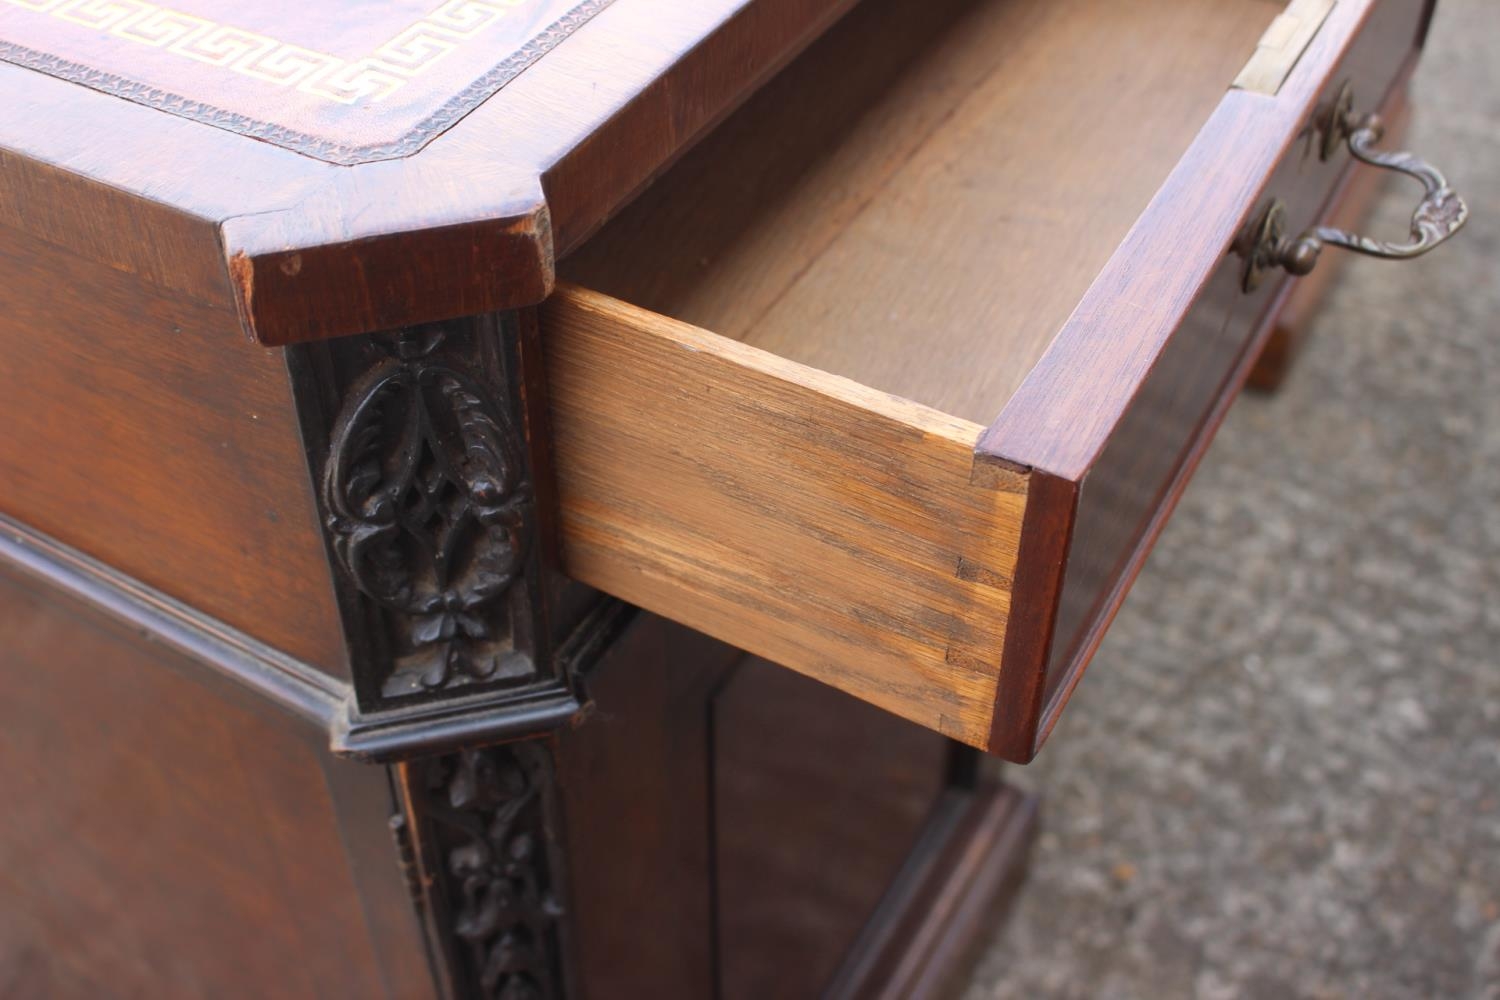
x=533, y=498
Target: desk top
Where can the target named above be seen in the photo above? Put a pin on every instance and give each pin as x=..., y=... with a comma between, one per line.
x=335, y=167
x=345, y=84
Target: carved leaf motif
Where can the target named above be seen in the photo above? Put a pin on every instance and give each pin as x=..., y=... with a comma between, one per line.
x=429, y=508
x=489, y=802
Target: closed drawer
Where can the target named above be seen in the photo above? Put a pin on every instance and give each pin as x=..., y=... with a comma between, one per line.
x=775, y=377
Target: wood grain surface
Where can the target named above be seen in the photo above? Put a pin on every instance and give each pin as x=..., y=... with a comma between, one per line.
x=142, y=430
x=945, y=182
x=830, y=528
x=315, y=78
x=925, y=224
x=1094, y=368
x=785, y=793
x=159, y=839
x=227, y=660
x=1282, y=45
x=958, y=883
x=636, y=779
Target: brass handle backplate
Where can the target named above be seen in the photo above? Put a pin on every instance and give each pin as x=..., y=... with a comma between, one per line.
x=1439, y=214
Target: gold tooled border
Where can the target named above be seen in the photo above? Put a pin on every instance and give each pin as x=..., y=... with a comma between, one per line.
x=319, y=147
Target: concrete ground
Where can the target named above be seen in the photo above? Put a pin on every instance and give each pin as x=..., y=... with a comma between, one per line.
x=1281, y=775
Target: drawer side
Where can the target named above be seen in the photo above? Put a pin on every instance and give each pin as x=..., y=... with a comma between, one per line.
x=838, y=531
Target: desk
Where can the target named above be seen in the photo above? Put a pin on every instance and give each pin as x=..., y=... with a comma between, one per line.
x=507, y=498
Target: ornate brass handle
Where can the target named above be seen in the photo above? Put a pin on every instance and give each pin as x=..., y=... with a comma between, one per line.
x=1439, y=215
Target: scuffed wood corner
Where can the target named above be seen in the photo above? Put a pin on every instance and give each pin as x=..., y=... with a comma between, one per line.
x=1282, y=45
x=291, y=288
x=995, y=473
x=242, y=280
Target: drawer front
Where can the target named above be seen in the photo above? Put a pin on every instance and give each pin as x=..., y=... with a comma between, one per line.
x=1166, y=379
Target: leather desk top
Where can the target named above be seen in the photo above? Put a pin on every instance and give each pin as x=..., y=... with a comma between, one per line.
x=347, y=83
x=329, y=167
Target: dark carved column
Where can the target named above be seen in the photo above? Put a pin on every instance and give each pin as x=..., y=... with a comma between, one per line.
x=427, y=448
x=424, y=446
x=480, y=829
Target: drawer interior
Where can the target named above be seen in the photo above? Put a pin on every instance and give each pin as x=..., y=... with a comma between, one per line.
x=921, y=199
x=769, y=374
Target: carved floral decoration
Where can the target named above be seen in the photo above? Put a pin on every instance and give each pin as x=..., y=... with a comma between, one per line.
x=487, y=807
x=429, y=510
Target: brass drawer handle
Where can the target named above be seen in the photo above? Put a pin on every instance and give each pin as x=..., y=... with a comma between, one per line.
x=1439, y=214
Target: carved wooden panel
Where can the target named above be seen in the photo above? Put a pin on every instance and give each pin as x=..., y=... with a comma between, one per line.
x=480, y=832
x=431, y=514
x=420, y=441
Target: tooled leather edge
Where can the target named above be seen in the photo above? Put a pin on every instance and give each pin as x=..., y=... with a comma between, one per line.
x=447, y=115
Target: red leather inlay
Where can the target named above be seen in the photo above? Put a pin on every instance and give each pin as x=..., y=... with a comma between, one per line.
x=346, y=82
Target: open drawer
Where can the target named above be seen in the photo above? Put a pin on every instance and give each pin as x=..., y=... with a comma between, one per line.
x=774, y=377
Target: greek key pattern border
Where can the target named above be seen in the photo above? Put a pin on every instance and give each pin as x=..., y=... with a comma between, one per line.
x=369, y=78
